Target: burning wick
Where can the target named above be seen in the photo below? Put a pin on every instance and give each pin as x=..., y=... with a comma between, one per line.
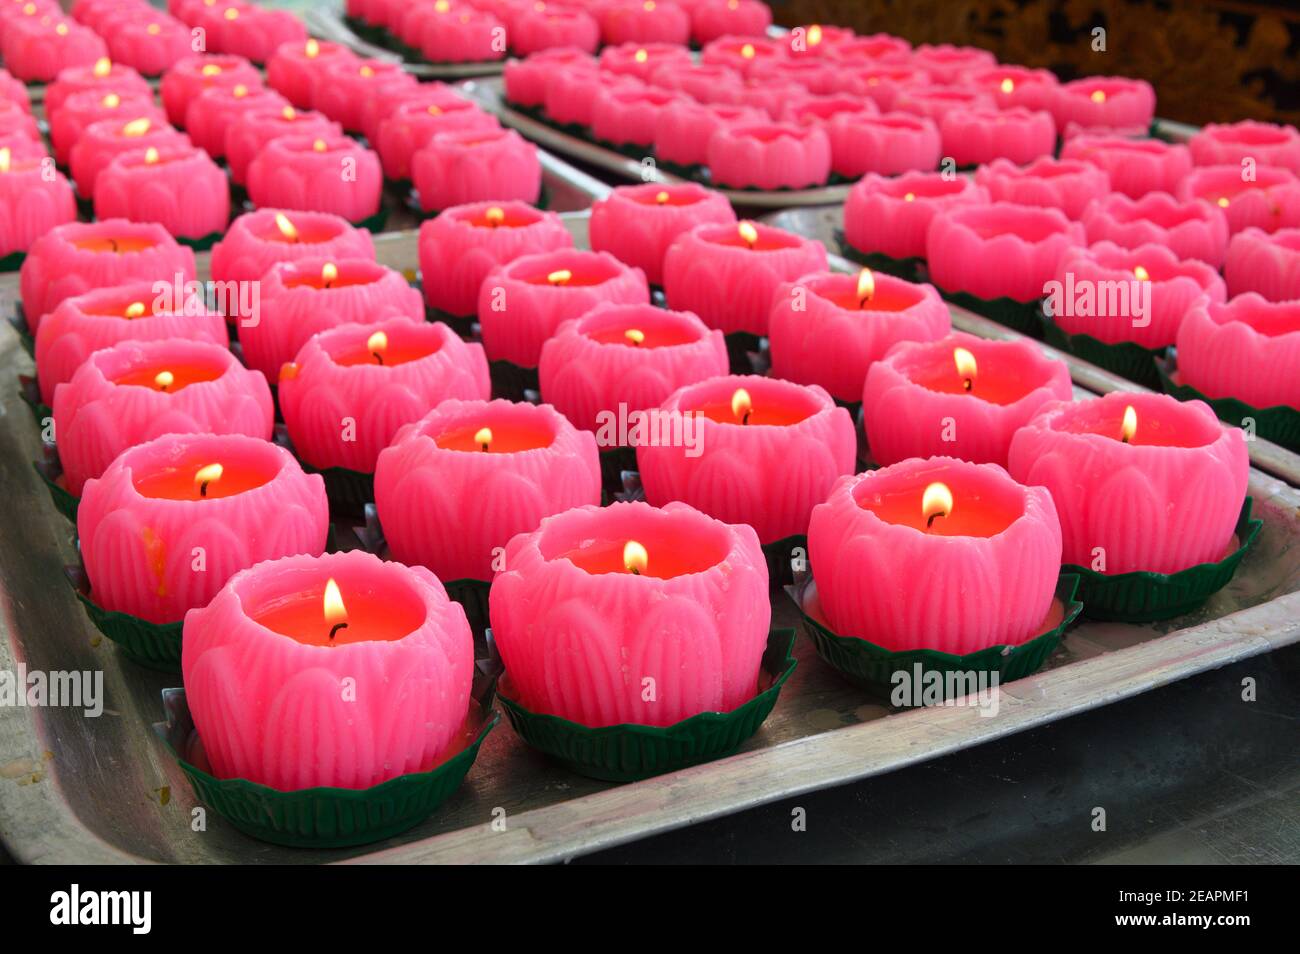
x=635, y=558
x=164, y=380
x=319, y=145
x=495, y=216
x=1008, y=85
x=1223, y=202
x=377, y=343
x=747, y=51
x=561, y=277
x=483, y=438
x=103, y=66
x=748, y=233
x=313, y=49
x=288, y=113
x=329, y=274
x=966, y=367
x=1098, y=96
x=111, y=101
x=814, y=35
x=741, y=405
x=150, y=156
x=936, y=501
x=336, y=613
x=1141, y=273
x=662, y=198
x=212, y=69
x=286, y=227
x=866, y=287
x=1129, y=428
x=206, y=475
x=641, y=56
x=635, y=335
x=136, y=127
x=134, y=310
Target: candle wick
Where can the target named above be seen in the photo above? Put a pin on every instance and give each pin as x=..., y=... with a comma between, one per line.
x=379, y=358
x=336, y=628
x=1123, y=438
x=635, y=571
x=930, y=520
x=484, y=445
x=113, y=244
x=203, y=487
x=968, y=384
x=745, y=419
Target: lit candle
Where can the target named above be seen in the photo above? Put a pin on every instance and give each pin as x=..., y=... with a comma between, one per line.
x=343, y=88
x=728, y=274
x=948, y=64
x=101, y=142
x=92, y=105
x=351, y=388
x=523, y=302
x=455, y=487
x=735, y=18
x=465, y=36
x=1158, y=496
x=642, y=60
x=148, y=40
x=1112, y=102
x=683, y=129
x=628, y=116
x=184, y=81
x=980, y=135
x=390, y=99
x=250, y=131
x=213, y=111
x=1065, y=184
x=37, y=48
x=179, y=187
x=103, y=317
x=347, y=693
x=102, y=75
x=293, y=68
x=828, y=329
x=1135, y=166
x=768, y=452
x=1188, y=229
x=821, y=40
x=462, y=244
x=1268, y=200
x=1016, y=86
x=1265, y=263
x=936, y=554
x=882, y=84
x=1268, y=144
x=236, y=500
x=580, y=632
x=256, y=32
x=120, y=397
x=552, y=28
x=454, y=168
x=333, y=174
x=1248, y=349
x=644, y=21
x=891, y=215
x=33, y=198
x=617, y=360
x=526, y=79
x=637, y=224
x=413, y=124
x=959, y=396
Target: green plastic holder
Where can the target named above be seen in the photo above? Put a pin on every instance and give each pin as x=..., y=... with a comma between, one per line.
x=153, y=645
x=1021, y=316
x=321, y=817
x=50, y=471
x=473, y=596
x=873, y=668
x=1141, y=597
x=374, y=223
x=348, y=490
x=631, y=752
x=910, y=269
x=780, y=558
x=1279, y=423
x=203, y=244
x=13, y=261
x=1125, y=358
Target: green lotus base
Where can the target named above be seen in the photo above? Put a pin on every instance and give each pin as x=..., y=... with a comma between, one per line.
x=614, y=462
x=1141, y=597
x=1279, y=424
x=154, y=645
x=875, y=669
x=510, y=380
x=1021, y=316
x=30, y=392
x=783, y=561
x=13, y=261
x=348, y=490
x=473, y=596
x=25, y=337
x=911, y=269
x=320, y=817
x=628, y=752
x=1125, y=358
x=203, y=244
x=50, y=472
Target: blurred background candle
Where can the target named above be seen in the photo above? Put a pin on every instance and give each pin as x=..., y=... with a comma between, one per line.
x=1264, y=263
x=101, y=142
x=1065, y=184
x=386, y=102
x=309, y=295
x=238, y=500
x=293, y=68
x=1269, y=199
x=461, y=245
x=683, y=129
x=1157, y=489
x=638, y=223
x=34, y=198
x=891, y=215
x=882, y=84
x=343, y=88
x=148, y=40
x=523, y=302
x=15, y=90
x=1113, y=102
x=250, y=131
x=702, y=82
x=179, y=187
x=959, y=396
x=464, y=36
x=412, y=125
x=982, y=135
x=257, y=240
x=936, y=102
x=816, y=76
x=947, y=63
x=768, y=452
x=376, y=377
x=1268, y=144
x=102, y=75
x=715, y=21
x=14, y=120
x=770, y=156
x=727, y=274
x=936, y=554
x=135, y=391
x=473, y=165
x=526, y=79
x=828, y=329
x=888, y=144
x=644, y=21
x=1015, y=86
x=271, y=641
x=256, y=32
x=334, y=174
x=1188, y=229
x=89, y=106
x=1135, y=166
x=628, y=117
x=581, y=626
x=214, y=110
x=535, y=31
x=35, y=49
x=1248, y=349
x=184, y=81
x=74, y=258
x=643, y=60
x=455, y=487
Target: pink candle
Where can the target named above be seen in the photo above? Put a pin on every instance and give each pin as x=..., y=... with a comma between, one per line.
x=274, y=640
x=383, y=102
x=35, y=49
x=580, y=632
x=1248, y=349
x=716, y=21
x=637, y=224
x=824, y=110
x=815, y=40
x=683, y=129
x=1085, y=304
x=541, y=31
x=149, y=41
x=1229, y=143
x=769, y=95
x=465, y=37
x=947, y=63
x=179, y=187
x=643, y=60
x=14, y=90
x=90, y=106
x=523, y=302
x=293, y=68
x=1265, y=263
x=936, y=102
x=1107, y=101
x=644, y=21
x=191, y=76
x=770, y=156
x=700, y=81
x=768, y=451
x=1065, y=184
x=212, y=112
x=413, y=124
x=74, y=258
x=936, y=554
x=1016, y=86
x=460, y=246
x=1157, y=489
x=350, y=389
x=978, y=135
x=828, y=329
x=741, y=51
x=334, y=174
x=888, y=144
x=892, y=215
x=234, y=500
x=343, y=87
x=728, y=274
x=257, y=240
x=998, y=250
x=454, y=488
x=617, y=361
x=16, y=121
x=34, y=198
x=960, y=396
x=624, y=116
x=454, y=168
x=816, y=75
x=883, y=84
x=304, y=297
x=256, y=33
x=1189, y=229
x=1135, y=166
x=248, y=134
x=526, y=79
x=569, y=97
x=1269, y=199
x=103, y=141
x=102, y=317
x=138, y=390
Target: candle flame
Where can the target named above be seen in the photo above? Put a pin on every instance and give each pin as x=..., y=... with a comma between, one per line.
x=136, y=127
x=135, y=310
x=741, y=405
x=483, y=437
x=936, y=501
x=1223, y=201
x=313, y=48
x=866, y=286
x=1098, y=96
x=286, y=227
x=1008, y=85
x=748, y=233
x=495, y=215
x=635, y=557
x=61, y=29
x=434, y=110
x=150, y=156
x=231, y=13
x=560, y=277
x=206, y=475
x=111, y=101
x=910, y=197
x=748, y=51
x=634, y=335
x=329, y=273
x=648, y=5
x=641, y=56
x=102, y=66
x=814, y=35
x=29, y=9
x=319, y=145
x=442, y=6
x=1129, y=428
x=4, y=159
x=153, y=29
x=662, y=197
x=1141, y=273
x=288, y=113
x=239, y=91
x=966, y=366
x=377, y=343
x=335, y=611
x=366, y=71
x=164, y=380
x=211, y=69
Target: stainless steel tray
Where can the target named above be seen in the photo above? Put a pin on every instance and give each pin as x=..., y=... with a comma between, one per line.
x=74, y=789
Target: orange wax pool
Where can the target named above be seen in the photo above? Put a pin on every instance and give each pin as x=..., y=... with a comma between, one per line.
x=183, y=481
x=665, y=337
x=339, y=281
x=884, y=299
x=371, y=616
x=665, y=197
x=118, y=244
x=975, y=512
x=669, y=559
x=761, y=412
x=392, y=354
x=573, y=279
x=182, y=375
x=506, y=438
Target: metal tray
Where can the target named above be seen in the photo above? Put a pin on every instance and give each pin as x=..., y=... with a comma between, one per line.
x=81, y=790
